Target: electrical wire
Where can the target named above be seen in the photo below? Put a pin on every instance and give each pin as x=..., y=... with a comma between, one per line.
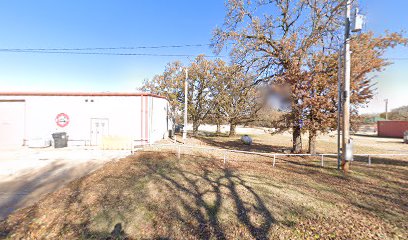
x=106, y=48
x=108, y=53
x=402, y=58
x=97, y=50
x=77, y=51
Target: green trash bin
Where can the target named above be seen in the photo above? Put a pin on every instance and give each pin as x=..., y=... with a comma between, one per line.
x=60, y=139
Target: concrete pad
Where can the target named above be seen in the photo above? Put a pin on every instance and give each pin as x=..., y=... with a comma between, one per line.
x=26, y=174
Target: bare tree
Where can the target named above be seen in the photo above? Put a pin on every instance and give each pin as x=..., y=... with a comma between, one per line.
x=400, y=113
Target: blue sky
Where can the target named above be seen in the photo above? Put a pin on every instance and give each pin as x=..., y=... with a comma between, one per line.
x=77, y=24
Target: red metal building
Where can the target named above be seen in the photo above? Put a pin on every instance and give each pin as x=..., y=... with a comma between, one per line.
x=392, y=128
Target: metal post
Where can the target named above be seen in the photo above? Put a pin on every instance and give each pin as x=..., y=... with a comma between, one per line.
x=175, y=136
x=185, y=105
x=346, y=148
x=339, y=78
x=386, y=109
x=322, y=160
x=274, y=160
x=369, y=160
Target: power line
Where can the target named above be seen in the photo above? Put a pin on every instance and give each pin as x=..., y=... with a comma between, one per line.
x=107, y=53
x=74, y=51
x=106, y=48
x=401, y=58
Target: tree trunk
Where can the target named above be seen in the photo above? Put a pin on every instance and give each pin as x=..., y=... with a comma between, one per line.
x=218, y=129
x=297, y=140
x=312, y=142
x=232, y=130
x=195, y=128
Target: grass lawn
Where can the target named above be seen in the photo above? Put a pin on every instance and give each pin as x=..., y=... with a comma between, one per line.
x=325, y=143
x=154, y=195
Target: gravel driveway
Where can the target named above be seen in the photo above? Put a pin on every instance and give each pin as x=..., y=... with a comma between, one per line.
x=27, y=174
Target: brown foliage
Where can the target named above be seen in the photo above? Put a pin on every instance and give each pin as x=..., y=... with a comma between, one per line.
x=400, y=113
x=278, y=46
x=217, y=92
x=295, y=49
x=238, y=100
x=320, y=105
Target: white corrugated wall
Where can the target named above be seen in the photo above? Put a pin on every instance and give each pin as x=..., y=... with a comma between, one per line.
x=141, y=118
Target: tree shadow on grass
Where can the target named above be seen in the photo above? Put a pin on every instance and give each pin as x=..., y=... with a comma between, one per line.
x=203, y=193
x=156, y=196
x=200, y=199
x=238, y=145
x=379, y=160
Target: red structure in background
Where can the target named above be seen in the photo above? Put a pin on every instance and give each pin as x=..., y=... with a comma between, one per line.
x=392, y=128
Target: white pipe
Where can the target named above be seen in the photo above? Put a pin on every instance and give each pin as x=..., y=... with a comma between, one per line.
x=278, y=154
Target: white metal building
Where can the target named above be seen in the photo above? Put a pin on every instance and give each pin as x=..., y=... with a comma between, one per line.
x=87, y=118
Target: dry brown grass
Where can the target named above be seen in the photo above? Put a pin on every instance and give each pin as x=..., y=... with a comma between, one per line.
x=154, y=195
x=325, y=143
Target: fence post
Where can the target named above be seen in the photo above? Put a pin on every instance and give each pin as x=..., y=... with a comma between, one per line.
x=178, y=151
x=274, y=160
x=322, y=160
x=369, y=160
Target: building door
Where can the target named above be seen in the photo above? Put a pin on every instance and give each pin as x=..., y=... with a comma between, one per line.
x=99, y=129
x=12, y=114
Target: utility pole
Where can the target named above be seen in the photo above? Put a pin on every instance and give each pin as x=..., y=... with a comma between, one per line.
x=185, y=105
x=386, y=108
x=347, y=152
x=339, y=103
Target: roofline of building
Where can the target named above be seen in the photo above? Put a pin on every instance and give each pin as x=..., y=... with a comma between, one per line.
x=81, y=94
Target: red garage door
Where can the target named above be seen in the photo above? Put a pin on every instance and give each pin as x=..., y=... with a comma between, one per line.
x=12, y=123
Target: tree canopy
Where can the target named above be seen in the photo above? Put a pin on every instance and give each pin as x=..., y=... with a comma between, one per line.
x=293, y=46
x=216, y=91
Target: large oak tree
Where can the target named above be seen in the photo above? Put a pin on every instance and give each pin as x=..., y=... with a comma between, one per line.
x=238, y=100
x=275, y=39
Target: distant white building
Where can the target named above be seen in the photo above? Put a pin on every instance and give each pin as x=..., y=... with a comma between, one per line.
x=90, y=119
